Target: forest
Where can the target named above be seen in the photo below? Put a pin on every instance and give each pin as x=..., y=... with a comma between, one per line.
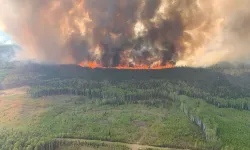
x=185, y=108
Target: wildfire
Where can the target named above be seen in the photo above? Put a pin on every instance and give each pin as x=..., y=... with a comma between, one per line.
x=131, y=34
x=90, y=64
x=93, y=65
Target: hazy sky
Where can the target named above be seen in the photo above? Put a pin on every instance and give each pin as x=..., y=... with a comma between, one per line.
x=5, y=38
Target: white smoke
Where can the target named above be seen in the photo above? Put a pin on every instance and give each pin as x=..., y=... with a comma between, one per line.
x=232, y=42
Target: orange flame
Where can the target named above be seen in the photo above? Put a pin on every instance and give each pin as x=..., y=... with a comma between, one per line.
x=93, y=65
x=90, y=64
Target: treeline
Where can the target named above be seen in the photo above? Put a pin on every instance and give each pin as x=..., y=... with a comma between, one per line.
x=113, y=86
x=231, y=69
x=207, y=80
x=194, y=76
x=240, y=103
x=153, y=93
x=15, y=79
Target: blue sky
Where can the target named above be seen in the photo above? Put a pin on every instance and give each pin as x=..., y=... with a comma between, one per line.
x=4, y=37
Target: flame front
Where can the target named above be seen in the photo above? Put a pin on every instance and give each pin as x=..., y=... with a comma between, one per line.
x=122, y=34
x=94, y=65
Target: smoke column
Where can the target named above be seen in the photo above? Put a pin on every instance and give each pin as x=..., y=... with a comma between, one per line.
x=231, y=42
x=112, y=33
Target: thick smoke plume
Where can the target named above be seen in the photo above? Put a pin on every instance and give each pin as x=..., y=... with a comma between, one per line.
x=113, y=33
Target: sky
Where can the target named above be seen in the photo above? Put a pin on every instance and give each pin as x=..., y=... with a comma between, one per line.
x=5, y=38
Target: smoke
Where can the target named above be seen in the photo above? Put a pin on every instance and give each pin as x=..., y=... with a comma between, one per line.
x=231, y=43
x=129, y=32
